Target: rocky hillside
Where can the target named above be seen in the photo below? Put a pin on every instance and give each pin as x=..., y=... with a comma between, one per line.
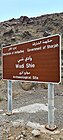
x=22, y=29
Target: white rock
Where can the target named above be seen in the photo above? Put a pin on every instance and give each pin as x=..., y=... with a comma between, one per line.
x=56, y=132
x=36, y=133
x=62, y=129
x=18, y=137
x=31, y=108
x=16, y=124
x=23, y=133
x=33, y=125
x=11, y=138
x=1, y=110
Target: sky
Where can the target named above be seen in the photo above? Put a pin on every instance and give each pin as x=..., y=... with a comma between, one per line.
x=32, y=8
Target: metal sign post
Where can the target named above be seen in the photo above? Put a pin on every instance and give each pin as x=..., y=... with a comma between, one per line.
x=9, y=96
x=51, y=105
x=51, y=125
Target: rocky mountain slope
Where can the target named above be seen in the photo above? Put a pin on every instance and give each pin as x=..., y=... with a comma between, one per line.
x=22, y=29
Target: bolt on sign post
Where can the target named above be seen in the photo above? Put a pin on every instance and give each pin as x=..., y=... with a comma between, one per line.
x=33, y=61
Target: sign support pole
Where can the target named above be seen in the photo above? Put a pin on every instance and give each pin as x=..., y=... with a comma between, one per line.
x=9, y=96
x=51, y=125
x=51, y=105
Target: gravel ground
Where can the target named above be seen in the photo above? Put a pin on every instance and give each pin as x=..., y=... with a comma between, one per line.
x=23, y=98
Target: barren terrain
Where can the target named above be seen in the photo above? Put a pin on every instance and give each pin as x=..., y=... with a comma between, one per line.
x=24, y=118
